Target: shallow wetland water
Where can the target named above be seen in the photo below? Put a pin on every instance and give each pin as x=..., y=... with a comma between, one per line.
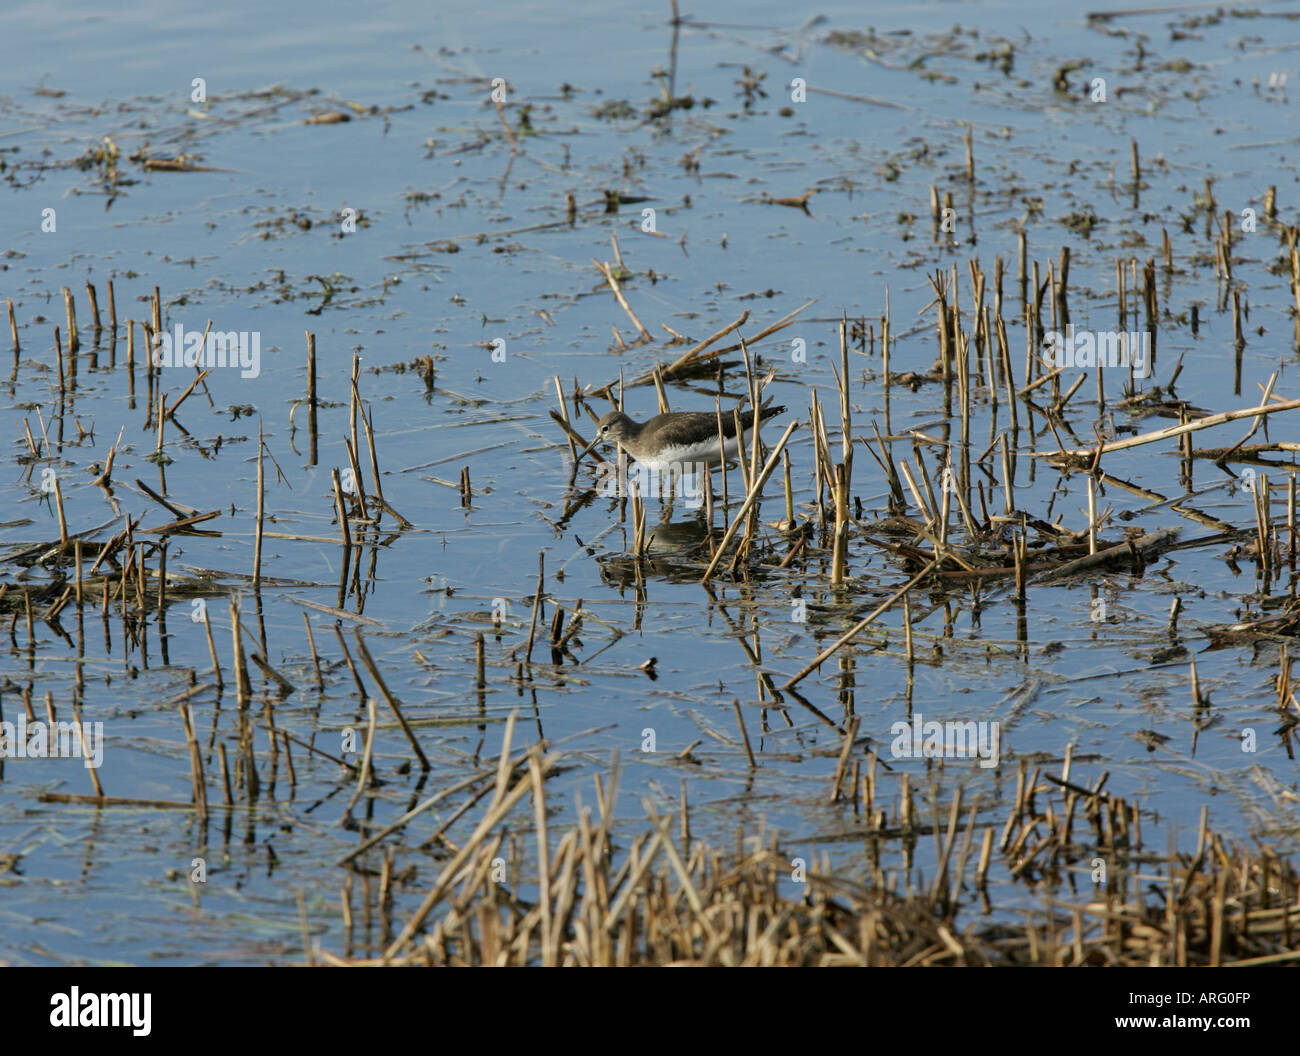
x=476, y=226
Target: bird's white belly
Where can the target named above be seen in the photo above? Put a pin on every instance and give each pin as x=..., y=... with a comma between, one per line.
x=684, y=457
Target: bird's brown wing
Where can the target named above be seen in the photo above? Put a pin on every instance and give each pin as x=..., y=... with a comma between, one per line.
x=688, y=427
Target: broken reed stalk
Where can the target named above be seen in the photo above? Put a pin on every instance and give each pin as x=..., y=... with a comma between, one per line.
x=708, y=506
x=130, y=360
x=392, y=701
x=741, y=460
x=927, y=508
x=844, y=471
x=789, y=494
x=358, y=485
x=537, y=604
x=58, y=355
x=212, y=648
x=196, y=764
x=830, y=650
x=367, y=423
x=1092, y=511
x=1143, y=547
x=755, y=490
x=226, y=798
x=1008, y=477
x=839, y=548
x=288, y=758
x=171, y=411
x=638, y=520
x=696, y=349
x=660, y=392
x=722, y=446
x=1291, y=520
x=160, y=413
x=315, y=657
x=1004, y=353
x=81, y=739
x=63, y=521
x=354, y=400
x=564, y=414
x=744, y=733
x=604, y=268
x=243, y=687
x=364, y=774
x=823, y=476
x=537, y=783
x=352, y=667
x=261, y=510
x=850, y=734
x=368, y=420
x=341, y=511
x=510, y=132
x=156, y=307
x=907, y=633
x=1169, y=432
x=311, y=393
x=755, y=443
x=94, y=306
x=1262, y=526
x=695, y=352
x=74, y=341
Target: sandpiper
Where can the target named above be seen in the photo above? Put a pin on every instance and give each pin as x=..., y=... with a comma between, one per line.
x=677, y=439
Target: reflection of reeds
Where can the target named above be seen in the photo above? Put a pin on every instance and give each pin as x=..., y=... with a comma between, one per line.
x=13, y=330
x=311, y=393
x=261, y=510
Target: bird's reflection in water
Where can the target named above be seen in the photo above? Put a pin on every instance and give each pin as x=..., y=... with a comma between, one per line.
x=674, y=552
